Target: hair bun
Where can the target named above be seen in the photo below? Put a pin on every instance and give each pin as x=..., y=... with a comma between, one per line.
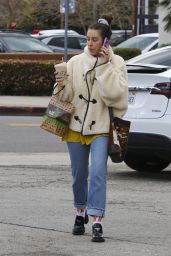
x=108, y=17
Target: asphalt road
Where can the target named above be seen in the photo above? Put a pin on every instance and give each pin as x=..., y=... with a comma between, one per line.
x=36, y=211
x=23, y=134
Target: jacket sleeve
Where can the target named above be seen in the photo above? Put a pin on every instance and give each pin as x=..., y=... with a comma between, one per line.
x=66, y=92
x=113, y=84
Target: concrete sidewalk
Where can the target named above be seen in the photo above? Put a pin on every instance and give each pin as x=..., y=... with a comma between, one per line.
x=23, y=105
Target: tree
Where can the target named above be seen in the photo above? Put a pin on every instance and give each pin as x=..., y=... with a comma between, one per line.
x=44, y=14
x=88, y=11
x=167, y=18
x=12, y=10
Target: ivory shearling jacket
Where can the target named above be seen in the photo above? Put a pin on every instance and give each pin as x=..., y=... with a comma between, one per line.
x=93, y=89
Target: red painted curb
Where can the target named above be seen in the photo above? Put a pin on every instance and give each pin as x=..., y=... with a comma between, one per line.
x=21, y=110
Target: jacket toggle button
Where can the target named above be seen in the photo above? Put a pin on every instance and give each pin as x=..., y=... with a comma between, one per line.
x=77, y=119
x=92, y=123
x=93, y=101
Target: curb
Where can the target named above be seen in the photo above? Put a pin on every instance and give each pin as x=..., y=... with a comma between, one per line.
x=22, y=110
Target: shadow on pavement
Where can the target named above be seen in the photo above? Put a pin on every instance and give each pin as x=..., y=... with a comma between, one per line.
x=124, y=174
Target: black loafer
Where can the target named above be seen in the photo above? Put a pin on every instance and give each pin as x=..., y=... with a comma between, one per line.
x=97, y=233
x=79, y=228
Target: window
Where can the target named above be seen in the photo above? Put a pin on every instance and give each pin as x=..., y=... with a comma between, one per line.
x=82, y=42
x=25, y=44
x=161, y=58
x=154, y=47
x=138, y=42
x=1, y=47
x=57, y=41
x=73, y=42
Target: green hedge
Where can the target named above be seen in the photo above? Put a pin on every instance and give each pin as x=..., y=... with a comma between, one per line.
x=127, y=53
x=29, y=78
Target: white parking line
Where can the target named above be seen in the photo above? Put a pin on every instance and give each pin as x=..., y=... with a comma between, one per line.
x=23, y=124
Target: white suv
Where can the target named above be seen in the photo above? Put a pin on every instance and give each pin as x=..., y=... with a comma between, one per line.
x=149, y=145
x=50, y=32
x=144, y=42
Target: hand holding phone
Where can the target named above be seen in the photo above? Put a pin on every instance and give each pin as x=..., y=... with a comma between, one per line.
x=106, y=42
x=104, y=52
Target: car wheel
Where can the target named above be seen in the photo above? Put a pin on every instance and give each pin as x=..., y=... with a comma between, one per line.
x=146, y=165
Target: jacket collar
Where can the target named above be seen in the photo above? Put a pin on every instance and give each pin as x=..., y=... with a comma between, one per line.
x=90, y=60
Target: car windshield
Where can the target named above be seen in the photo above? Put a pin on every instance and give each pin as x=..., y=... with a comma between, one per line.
x=83, y=42
x=137, y=42
x=73, y=42
x=158, y=58
x=21, y=44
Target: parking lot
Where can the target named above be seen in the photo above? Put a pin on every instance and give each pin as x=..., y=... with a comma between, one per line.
x=37, y=213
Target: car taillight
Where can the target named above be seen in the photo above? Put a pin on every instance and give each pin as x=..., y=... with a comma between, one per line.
x=162, y=89
x=35, y=31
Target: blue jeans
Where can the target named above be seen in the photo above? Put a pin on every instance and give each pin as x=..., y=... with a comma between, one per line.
x=92, y=197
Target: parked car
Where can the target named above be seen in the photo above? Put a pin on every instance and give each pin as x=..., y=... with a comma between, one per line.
x=144, y=42
x=118, y=36
x=76, y=43
x=50, y=32
x=149, y=110
x=21, y=42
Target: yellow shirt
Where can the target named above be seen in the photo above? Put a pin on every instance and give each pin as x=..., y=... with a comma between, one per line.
x=73, y=136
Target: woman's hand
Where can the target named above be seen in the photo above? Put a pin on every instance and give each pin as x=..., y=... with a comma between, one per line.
x=104, y=52
x=59, y=79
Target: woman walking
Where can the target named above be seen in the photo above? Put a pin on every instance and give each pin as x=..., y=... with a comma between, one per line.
x=97, y=79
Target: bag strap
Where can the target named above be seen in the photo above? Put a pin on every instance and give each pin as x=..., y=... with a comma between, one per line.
x=111, y=139
x=54, y=87
x=111, y=113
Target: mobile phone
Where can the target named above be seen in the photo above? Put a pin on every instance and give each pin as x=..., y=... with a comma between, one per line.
x=106, y=42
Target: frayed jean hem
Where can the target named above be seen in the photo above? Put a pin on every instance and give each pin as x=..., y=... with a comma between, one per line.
x=96, y=212
x=80, y=206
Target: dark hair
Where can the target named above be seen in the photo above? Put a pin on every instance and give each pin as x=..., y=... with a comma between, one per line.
x=104, y=29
